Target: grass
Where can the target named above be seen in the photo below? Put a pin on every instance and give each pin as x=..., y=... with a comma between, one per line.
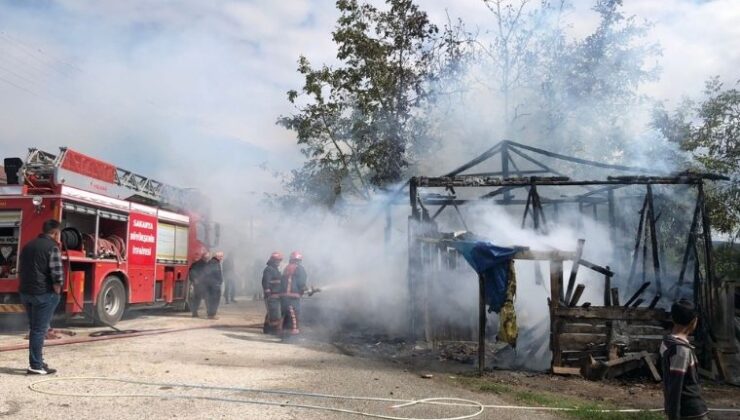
x=583, y=410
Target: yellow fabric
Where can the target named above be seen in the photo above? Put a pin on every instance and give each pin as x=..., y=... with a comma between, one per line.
x=508, y=331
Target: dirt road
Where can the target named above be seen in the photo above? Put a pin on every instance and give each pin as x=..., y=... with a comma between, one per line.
x=227, y=357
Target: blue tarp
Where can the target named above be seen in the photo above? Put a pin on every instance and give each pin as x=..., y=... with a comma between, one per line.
x=492, y=263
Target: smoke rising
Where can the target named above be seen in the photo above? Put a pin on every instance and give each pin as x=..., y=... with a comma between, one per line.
x=189, y=92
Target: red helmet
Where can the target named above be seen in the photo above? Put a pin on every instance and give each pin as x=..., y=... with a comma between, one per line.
x=276, y=256
x=295, y=255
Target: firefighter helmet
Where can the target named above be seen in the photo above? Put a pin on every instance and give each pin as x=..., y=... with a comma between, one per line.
x=296, y=256
x=276, y=256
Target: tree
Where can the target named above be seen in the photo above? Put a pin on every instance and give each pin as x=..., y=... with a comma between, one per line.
x=357, y=122
x=568, y=92
x=710, y=132
x=593, y=86
x=715, y=143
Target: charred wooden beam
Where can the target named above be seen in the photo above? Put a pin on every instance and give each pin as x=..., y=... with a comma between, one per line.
x=637, y=303
x=636, y=252
x=507, y=175
x=505, y=167
x=655, y=301
x=708, y=257
x=637, y=294
x=442, y=200
x=574, y=269
x=577, y=295
x=439, y=210
x=556, y=296
x=613, y=313
x=526, y=207
x=487, y=181
x=482, y=158
x=689, y=246
x=654, y=239
x=597, y=268
x=615, y=296
x=607, y=288
x=574, y=159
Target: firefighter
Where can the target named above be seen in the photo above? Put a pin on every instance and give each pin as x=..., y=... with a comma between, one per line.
x=271, y=280
x=293, y=285
x=197, y=280
x=213, y=280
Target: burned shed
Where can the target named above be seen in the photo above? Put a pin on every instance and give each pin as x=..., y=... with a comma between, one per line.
x=630, y=287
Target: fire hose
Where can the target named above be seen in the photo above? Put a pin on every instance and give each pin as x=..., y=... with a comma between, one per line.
x=398, y=403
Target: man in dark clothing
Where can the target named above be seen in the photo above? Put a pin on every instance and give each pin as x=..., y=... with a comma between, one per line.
x=197, y=277
x=41, y=281
x=214, y=279
x=271, y=279
x=681, y=390
x=229, y=281
x=293, y=286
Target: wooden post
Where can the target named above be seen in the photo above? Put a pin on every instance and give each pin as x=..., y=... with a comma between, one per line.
x=607, y=288
x=577, y=295
x=687, y=252
x=708, y=259
x=612, y=217
x=654, y=239
x=615, y=296
x=556, y=286
x=637, y=294
x=481, y=326
x=505, y=169
x=636, y=253
x=574, y=270
x=526, y=208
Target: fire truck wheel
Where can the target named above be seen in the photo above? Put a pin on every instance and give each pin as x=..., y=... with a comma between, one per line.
x=111, y=302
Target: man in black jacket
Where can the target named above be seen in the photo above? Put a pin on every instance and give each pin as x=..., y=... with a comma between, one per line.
x=197, y=276
x=41, y=281
x=681, y=390
x=214, y=278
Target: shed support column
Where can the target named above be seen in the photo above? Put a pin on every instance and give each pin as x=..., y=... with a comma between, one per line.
x=556, y=290
x=710, y=287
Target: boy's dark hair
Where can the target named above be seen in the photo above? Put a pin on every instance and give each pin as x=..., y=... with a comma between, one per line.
x=683, y=312
x=50, y=226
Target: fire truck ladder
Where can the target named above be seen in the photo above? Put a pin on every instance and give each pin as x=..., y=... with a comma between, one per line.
x=40, y=167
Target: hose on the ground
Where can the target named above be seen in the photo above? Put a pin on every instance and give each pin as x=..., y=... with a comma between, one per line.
x=441, y=400
x=398, y=403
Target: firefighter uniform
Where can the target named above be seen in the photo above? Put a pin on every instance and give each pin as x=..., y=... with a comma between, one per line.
x=293, y=286
x=271, y=280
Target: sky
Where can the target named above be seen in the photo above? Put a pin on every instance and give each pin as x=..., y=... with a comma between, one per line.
x=189, y=90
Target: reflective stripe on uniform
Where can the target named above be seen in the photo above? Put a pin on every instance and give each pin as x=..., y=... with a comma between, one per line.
x=12, y=308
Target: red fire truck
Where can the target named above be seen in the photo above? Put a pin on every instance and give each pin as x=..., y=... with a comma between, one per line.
x=127, y=240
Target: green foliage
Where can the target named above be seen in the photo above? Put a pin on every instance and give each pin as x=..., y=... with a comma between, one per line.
x=564, y=92
x=710, y=132
x=357, y=123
